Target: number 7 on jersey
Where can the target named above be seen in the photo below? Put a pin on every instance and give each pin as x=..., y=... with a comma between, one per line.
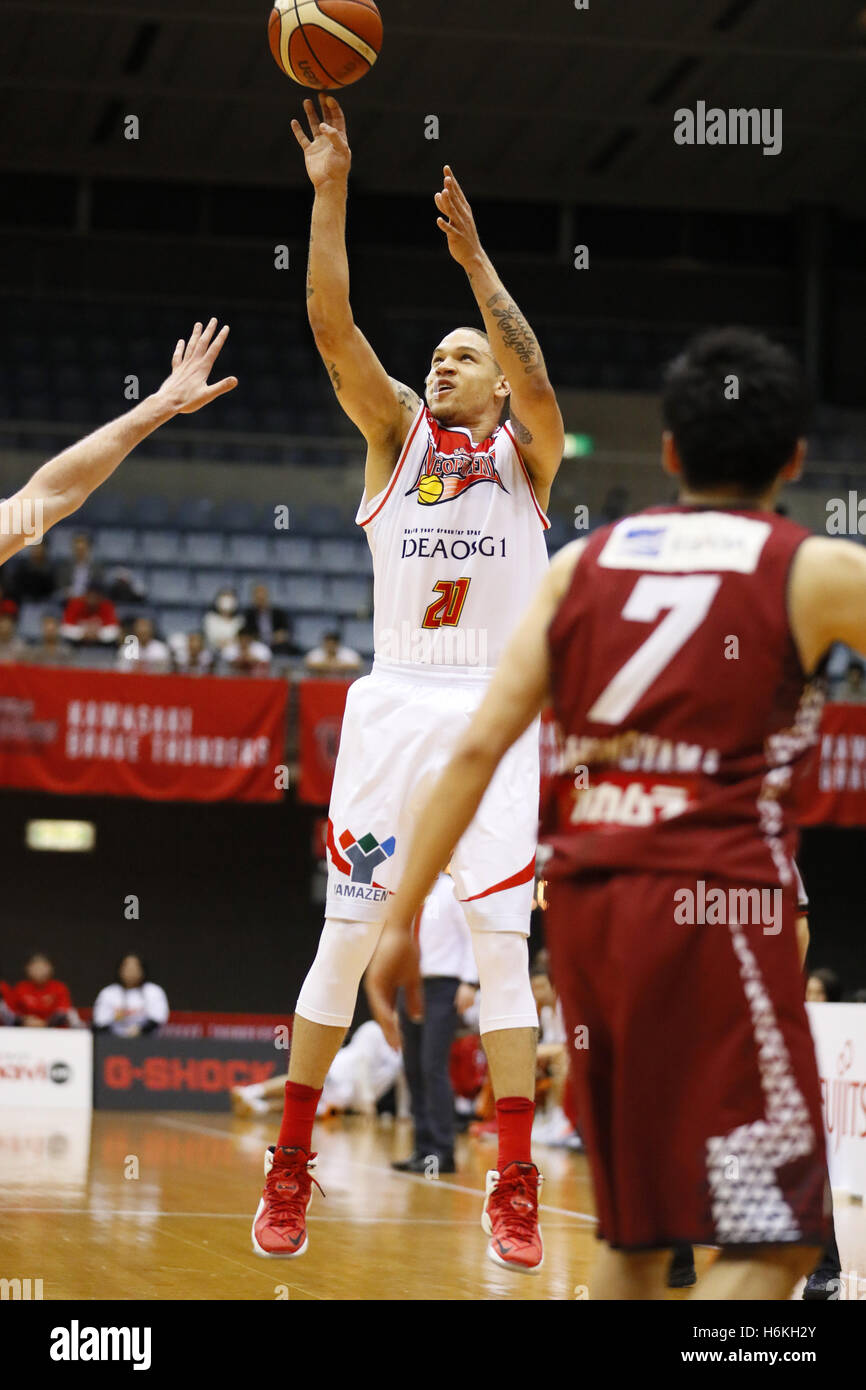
x=689, y=598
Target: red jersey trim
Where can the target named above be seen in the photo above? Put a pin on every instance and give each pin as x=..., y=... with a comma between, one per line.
x=522, y=876
x=342, y=864
x=395, y=475
x=541, y=515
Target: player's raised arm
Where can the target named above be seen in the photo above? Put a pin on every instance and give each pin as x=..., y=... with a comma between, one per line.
x=827, y=597
x=62, y=484
x=381, y=408
x=517, y=693
x=535, y=414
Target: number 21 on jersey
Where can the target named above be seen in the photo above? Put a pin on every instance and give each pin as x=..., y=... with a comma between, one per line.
x=445, y=610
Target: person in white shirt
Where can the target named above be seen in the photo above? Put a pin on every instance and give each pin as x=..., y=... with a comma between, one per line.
x=246, y=656
x=360, y=1075
x=133, y=1004
x=223, y=621
x=331, y=658
x=189, y=653
x=143, y=651
x=450, y=980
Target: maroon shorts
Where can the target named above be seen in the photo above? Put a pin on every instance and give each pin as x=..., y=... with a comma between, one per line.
x=697, y=1088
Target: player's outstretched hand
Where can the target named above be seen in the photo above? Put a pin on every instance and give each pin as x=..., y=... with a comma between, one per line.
x=327, y=155
x=187, y=389
x=457, y=221
x=395, y=965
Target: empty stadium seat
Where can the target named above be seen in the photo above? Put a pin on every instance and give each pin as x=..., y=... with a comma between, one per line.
x=114, y=544
x=160, y=548
x=249, y=552
x=291, y=552
x=170, y=586
x=307, y=593
x=204, y=548
x=346, y=595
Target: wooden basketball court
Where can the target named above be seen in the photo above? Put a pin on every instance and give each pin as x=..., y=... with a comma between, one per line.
x=159, y=1206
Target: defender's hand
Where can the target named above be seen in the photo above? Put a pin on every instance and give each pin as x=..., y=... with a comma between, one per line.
x=327, y=155
x=395, y=964
x=187, y=389
x=457, y=223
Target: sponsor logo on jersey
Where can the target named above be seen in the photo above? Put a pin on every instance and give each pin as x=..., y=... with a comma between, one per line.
x=365, y=855
x=443, y=476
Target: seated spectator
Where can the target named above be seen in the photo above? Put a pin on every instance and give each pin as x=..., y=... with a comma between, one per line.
x=222, y=622
x=189, y=654
x=331, y=658
x=853, y=690
x=246, y=656
x=362, y=1073
x=143, y=651
x=823, y=987
x=272, y=626
x=8, y=605
x=123, y=587
x=40, y=1001
x=78, y=574
x=7, y=1015
x=11, y=646
x=133, y=1004
x=50, y=650
x=35, y=575
x=91, y=620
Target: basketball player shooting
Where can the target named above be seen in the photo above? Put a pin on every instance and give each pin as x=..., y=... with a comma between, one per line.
x=64, y=483
x=679, y=649
x=454, y=513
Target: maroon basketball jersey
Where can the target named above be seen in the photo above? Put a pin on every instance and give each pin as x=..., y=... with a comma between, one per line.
x=680, y=696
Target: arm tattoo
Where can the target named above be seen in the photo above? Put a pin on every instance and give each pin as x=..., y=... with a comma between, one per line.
x=408, y=398
x=521, y=433
x=515, y=332
x=334, y=375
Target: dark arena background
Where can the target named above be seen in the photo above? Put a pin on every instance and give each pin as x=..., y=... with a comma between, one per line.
x=149, y=178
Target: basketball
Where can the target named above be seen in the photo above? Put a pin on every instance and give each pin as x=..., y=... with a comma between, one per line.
x=325, y=44
x=430, y=488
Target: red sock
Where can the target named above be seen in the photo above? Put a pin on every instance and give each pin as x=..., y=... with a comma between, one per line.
x=514, y=1117
x=299, y=1112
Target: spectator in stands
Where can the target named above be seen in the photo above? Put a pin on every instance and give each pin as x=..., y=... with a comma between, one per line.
x=8, y=1018
x=35, y=574
x=40, y=1001
x=123, y=587
x=270, y=625
x=133, y=1004
x=331, y=658
x=222, y=622
x=8, y=604
x=246, y=656
x=80, y=573
x=823, y=987
x=853, y=690
x=143, y=651
x=189, y=654
x=11, y=646
x=91, y=620
x=50, y=651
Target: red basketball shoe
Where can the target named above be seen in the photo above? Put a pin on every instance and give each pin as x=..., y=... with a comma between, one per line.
x=510, y=1217
x=280, y=1223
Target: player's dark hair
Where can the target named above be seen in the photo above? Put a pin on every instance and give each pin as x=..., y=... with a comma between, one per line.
x=736, y=404
x=831, y=982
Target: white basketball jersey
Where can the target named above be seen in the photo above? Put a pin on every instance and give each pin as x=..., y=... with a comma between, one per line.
x=458, y=548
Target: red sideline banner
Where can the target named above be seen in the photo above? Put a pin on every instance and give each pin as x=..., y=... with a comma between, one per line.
x=320, y=715
x=163, y=738
x=835, y=788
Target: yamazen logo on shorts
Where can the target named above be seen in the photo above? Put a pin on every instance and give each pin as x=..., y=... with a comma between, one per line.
x=365, y=855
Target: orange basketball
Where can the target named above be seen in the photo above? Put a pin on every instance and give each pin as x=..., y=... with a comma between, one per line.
x=325, y=43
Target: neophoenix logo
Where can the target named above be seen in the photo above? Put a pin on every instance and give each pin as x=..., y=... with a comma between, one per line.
x=76, y=1343
x=442, y=477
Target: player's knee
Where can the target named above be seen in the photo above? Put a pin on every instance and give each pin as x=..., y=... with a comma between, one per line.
x=329, y=992
x=507, y=1000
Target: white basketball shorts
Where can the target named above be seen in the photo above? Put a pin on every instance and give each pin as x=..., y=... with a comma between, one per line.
x=399, y=729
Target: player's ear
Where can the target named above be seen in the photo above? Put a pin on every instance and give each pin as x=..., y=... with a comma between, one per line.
x=671, y=461
x=502, y=389
x=794, y=467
